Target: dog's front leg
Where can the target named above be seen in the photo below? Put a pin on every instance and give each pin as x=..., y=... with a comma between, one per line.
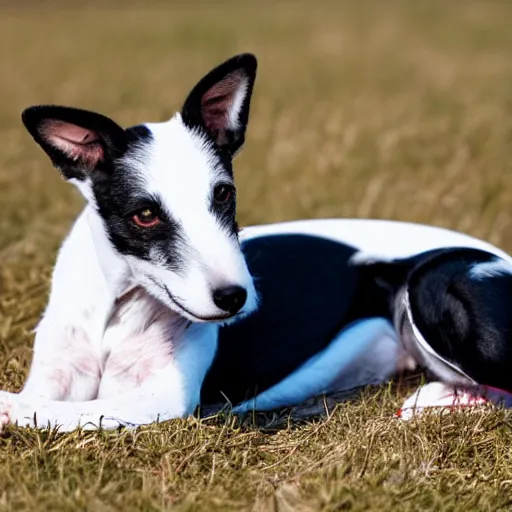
x=66, y=364
x=170, y=392
x=67, y=359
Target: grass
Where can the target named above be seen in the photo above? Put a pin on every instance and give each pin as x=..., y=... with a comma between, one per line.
x=376, y=109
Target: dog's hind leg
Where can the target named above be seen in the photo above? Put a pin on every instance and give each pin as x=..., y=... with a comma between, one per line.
x=363, y=353
x=439, y=397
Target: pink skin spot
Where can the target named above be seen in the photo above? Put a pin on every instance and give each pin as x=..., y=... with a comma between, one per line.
x=62, y=380
x=218, y=101
x=76, y=142
x=136, y=352
x=77, y=371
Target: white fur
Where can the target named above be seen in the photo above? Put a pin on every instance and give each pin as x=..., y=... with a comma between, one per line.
x=381, y=239
x=106, y=347
x=440, y=397
x=493, y=268
x=79, y=378
x=167, y=393
x=236, y=106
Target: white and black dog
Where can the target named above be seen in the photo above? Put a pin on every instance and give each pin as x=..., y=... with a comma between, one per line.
x=150, y=266
x=153, y=278
x=451, y=310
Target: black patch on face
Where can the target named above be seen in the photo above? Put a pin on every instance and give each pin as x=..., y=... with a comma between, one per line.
x=119, y=196
x=225, y=212
x=85, y=145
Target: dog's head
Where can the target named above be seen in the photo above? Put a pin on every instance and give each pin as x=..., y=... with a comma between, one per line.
x=165, y=191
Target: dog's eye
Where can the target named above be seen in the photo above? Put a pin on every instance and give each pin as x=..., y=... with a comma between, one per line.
x=223, y=193
x=146, y=218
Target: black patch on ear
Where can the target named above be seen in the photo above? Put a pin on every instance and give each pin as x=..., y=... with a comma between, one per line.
x=103, y=140
x=207, y=106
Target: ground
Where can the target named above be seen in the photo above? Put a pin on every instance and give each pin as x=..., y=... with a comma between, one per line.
x=362, y=109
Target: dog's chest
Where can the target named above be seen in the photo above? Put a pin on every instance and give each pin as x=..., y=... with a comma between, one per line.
x=141, y=337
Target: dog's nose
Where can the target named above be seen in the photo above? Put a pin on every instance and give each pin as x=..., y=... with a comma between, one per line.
x=230, y=298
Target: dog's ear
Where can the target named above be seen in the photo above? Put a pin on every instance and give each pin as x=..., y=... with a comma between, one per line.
x=77, y=141
x=219, y=104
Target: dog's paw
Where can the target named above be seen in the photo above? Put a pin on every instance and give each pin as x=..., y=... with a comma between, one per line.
x=439, y=397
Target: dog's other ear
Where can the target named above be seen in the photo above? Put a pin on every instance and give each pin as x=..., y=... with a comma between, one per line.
x=77, y=141
x=219, y=104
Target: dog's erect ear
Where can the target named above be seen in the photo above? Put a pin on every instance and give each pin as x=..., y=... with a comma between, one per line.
x=219, y=104
x=77, y=141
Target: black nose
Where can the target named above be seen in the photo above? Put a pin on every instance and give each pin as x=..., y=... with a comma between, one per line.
x=230, y=298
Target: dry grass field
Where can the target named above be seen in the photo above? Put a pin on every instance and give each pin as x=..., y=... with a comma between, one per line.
x=362, y=109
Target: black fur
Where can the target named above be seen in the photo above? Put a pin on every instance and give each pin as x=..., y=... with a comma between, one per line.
x=113, y=138
x=119, y=196
x=225, y=212
x=319, y=293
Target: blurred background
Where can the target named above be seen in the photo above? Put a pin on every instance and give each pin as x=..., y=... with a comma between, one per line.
x=393, y=110
x=383, y=109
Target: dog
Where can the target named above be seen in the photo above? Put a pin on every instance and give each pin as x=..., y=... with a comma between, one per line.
x=151, y=266
x=451, y=310
x=154, y=276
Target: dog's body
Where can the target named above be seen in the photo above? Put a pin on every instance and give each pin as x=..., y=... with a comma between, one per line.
x=322, y=325
x=451, y=309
